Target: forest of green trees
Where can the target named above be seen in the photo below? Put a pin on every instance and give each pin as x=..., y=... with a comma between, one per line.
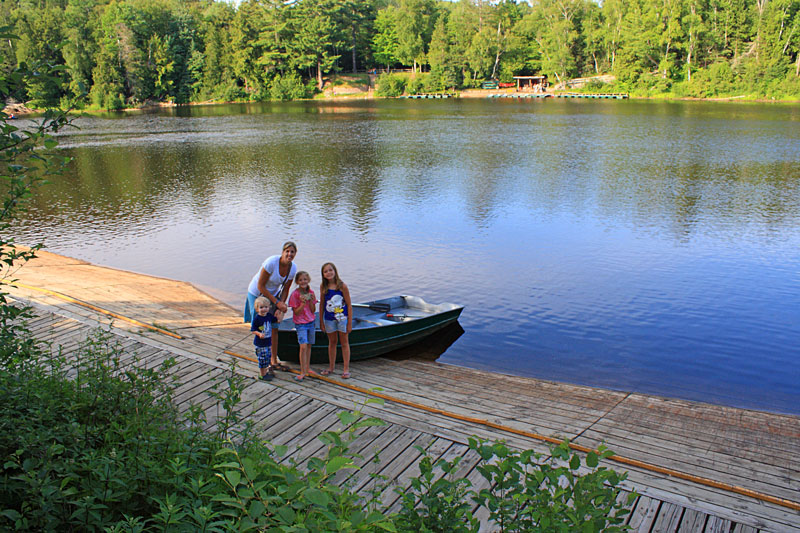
x=118, y=53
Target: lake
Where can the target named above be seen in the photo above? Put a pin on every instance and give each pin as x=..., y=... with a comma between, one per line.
x=634, y=245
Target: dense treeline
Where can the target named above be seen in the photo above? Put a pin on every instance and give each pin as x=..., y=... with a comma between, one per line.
x=124, y=52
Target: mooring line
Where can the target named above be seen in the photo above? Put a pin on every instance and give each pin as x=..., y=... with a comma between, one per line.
x=70, y=299
x=577, y=447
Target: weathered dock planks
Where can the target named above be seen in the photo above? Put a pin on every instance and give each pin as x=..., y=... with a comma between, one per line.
x=754, y=450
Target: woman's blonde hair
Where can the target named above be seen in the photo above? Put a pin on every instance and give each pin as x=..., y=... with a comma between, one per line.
x=324, y=289
x=289, y=244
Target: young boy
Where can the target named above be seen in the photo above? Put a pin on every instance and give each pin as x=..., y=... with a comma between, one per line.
x=263, y=337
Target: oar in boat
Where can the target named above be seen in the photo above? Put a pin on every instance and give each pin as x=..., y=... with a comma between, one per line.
x=368, y=321
x=380, y=308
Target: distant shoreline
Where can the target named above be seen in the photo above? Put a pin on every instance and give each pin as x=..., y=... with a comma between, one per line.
x=21, y=110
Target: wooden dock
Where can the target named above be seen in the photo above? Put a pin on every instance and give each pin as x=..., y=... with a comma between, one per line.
x=427, y=96
x=716, y=450
x=608, y=96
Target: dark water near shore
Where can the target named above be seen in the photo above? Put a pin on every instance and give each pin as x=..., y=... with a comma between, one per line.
x=641, y=246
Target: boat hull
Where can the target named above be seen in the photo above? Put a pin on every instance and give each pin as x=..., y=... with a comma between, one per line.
x=373, y=333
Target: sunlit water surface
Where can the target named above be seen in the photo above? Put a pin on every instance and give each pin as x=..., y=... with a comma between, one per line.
x=641, y=246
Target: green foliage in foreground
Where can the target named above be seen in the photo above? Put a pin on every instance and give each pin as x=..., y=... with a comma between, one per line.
x=526, y=492
x=97, y=445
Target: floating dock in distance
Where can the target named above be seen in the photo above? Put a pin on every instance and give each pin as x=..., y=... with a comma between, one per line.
x=518, y=95
x=417, y=96
x=614, y=96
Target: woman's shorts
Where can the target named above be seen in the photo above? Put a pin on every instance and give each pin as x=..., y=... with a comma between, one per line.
x=306, y=333
x=336, y=325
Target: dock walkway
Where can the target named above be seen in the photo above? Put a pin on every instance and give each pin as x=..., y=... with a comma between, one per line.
x=738, y=470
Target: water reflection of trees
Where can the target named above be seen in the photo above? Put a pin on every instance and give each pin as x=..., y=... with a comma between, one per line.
x=341, y=166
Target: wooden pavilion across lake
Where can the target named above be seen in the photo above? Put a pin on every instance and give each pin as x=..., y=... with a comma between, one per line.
x=537, y=84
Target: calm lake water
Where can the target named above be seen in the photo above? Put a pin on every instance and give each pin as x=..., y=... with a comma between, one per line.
x=641, y=246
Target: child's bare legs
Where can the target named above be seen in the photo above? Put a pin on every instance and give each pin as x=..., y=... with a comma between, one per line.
x=279, y=316
x=344, y=339
x=308, y=370
x=305, y=360
x=332, y=341
x=274, y=359
x=301, y=358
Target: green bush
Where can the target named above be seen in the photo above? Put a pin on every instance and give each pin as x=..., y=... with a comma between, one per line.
x=230, y=93
x=390, y=85
x=526, y=493
x=107, y=100
x=436, y=505
x=442, y=79
x=287, y=87
x=595, y=86
x=716, y=80
x=416, y=84
x=97, y=446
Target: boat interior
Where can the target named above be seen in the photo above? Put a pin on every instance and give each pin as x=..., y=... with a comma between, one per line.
x=388, y=311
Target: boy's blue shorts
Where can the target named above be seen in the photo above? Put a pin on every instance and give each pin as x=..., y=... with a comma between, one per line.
x=263, y=354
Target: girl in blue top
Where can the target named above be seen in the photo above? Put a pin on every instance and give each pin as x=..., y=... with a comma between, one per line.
x=337, y=317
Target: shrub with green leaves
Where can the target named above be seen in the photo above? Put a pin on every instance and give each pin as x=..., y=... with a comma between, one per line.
x=417, y=84
x=390, y=85
x=434, y=503
x=526, y=493
x=287, y=87
x=94, y=445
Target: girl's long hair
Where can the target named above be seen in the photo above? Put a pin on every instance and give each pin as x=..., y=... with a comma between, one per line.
x=324, y=289
x=297, y=278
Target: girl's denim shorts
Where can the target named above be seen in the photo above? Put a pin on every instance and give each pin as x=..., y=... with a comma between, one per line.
x=336, y=325
x=306, y=333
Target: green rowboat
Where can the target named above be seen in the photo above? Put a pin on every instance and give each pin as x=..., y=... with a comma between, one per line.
x=379, y=327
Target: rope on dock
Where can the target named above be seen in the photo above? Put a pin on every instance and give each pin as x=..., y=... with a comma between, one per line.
x=577, y=447
x=70, y=299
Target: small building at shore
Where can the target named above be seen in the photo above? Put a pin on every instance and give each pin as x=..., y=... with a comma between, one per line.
x=537, y=84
